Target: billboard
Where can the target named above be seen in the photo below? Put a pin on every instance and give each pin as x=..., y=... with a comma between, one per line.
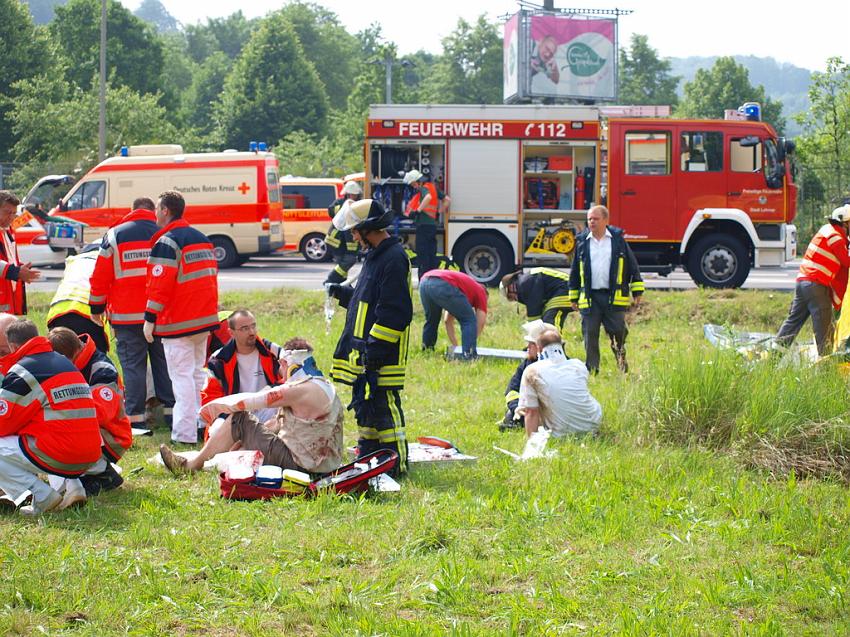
x=560, y=56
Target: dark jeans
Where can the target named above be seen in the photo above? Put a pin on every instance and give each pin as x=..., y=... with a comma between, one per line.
x=133, y=352
x=602, y=313
x=426, y=247
x=815, y=300
x=380, y=419
x=438, y=295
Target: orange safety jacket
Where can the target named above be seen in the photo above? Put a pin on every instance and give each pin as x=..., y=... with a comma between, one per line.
x=182, y=282
x=118, y=281
x=107, y=391
x=223, y=371
x=46, y=402
x=433, y=204
x=12, y=291
x=826, y=261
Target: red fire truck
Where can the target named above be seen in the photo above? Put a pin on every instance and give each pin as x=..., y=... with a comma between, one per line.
x=715, y=197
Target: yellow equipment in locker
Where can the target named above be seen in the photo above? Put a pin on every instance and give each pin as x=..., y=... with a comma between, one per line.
x=553, y=241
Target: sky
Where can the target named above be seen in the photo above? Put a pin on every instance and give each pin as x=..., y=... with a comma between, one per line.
x=803, y=34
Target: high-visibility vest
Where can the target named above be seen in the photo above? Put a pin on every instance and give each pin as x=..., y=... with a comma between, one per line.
x=433, y=204
x=826, y=260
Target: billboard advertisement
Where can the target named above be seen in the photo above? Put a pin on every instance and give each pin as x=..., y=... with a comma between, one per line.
x=560, y=56
x=511, y=58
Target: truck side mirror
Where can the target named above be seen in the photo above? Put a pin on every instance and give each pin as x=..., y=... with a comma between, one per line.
x=749, y=141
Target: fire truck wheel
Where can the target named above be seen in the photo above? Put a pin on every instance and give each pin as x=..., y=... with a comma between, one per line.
x=486, y=257
x=225, y=252
x=719, y=261
x=314, y=249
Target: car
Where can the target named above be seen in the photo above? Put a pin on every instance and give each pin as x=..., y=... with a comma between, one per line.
x=34, y=247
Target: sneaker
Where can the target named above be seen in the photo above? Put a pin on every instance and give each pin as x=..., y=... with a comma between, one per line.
x=7, y=504
x=174, y=463
x=75, y=496
x=51, y=503
x=107, y=480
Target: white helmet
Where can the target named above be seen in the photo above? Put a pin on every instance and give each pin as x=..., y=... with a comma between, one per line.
x=533, y=330
x=352, y=188
x=366, y=214
x=841, y=214
x=413, y=175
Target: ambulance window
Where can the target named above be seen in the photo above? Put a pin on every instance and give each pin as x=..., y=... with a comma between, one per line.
x=272, y=182
x=745, y=159
x=91, y=194
x=701, y=152
x=648, y=153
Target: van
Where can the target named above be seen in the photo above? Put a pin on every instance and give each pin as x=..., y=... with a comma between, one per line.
x=232, y=197
x=305, y=214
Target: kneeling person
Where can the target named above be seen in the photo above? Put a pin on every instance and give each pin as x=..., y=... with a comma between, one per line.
x=553, y=392
x=108, y=393
x=305, y=435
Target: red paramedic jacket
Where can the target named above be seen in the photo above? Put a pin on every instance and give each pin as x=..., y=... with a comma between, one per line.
x=55, y=416
x=107, y=391
x=12, y=291
x=182, y=283
x=120, y=274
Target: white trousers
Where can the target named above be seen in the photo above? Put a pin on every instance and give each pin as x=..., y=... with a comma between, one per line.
x=17, y=474
x=186, y=357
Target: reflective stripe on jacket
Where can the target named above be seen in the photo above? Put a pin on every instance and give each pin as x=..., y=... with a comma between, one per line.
x=543, y=289
x=624, y=274
x=118, y=281
x=107, y=391
x=826, y=261
x=46, y=402
x=182, y=282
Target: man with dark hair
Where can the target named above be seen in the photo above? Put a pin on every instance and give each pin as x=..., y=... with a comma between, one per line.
x=604, y=282
x=305, y=434
x=182, y=307
x=13, y=275
x=48, y=420
x=118, y=289
x=247, y=363
x=371, y=354
x=108, y=395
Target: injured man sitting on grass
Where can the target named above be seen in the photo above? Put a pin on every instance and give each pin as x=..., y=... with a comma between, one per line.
x=305, y=435
x=553, y=391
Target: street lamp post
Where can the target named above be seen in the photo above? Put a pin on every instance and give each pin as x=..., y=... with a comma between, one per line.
x=101, y=128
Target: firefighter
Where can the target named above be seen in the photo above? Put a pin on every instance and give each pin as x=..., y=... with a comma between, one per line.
x=424, y=208
x=13, y=275
x=605, y=273
x=340, y=241
x=118, y=288
x=544, y=292
x=371, y=354
x=821, y=283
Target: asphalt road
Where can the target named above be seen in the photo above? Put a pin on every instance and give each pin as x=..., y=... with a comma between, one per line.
x=286, y=271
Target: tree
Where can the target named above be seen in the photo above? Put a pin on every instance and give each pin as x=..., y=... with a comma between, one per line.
x=272, y=90
x=42, y=10
x=726, y=85
x=228, y=35
x=333, y=51
x=470, y=69
x=134, y=54
x=206, y=88
x=645, y=78
x=825, y=144
x=25, y=53
x=155, y=13
x=302, y=154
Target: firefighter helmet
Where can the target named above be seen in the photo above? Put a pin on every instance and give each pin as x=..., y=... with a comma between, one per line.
x=363, y=215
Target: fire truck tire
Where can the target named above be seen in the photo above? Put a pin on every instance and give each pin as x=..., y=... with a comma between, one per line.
x=485, y=257
x=719, y=261
x=314, y=249
x=225, y=252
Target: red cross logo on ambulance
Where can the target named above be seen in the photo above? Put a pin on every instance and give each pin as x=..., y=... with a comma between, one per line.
x=243, y=188
x=4, y=408
x=106, y=394
x=157, y=270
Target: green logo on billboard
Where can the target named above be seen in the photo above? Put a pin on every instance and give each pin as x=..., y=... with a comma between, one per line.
x=583, y=60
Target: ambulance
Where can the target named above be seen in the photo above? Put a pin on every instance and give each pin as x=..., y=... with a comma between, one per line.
x=716, y=197
x=232, y=197
x=305, y=214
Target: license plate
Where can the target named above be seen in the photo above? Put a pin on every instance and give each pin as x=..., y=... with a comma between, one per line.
x=275, y=228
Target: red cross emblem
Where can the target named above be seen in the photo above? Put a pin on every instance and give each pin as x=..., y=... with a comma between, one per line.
x=243, y=188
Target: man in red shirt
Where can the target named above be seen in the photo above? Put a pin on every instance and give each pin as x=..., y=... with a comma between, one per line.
x=464, y=300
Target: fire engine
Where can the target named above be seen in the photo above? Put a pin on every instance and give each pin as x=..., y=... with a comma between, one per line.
x=232, y=197
x=713, y=196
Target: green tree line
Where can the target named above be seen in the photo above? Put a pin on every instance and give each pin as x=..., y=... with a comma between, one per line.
x=301, y=81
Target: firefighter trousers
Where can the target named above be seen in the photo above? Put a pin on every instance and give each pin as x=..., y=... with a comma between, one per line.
x=380, y=419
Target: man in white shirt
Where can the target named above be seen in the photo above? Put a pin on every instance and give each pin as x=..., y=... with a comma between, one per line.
x=605, y=274
x=553, y=391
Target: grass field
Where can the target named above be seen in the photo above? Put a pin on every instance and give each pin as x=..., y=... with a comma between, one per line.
x=679, y=519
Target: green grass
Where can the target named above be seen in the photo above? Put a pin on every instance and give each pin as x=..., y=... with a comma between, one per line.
x=658, y=527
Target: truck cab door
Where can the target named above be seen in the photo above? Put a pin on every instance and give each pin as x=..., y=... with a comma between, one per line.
x=702, y=180
x=642, y=191
x=751, y=160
